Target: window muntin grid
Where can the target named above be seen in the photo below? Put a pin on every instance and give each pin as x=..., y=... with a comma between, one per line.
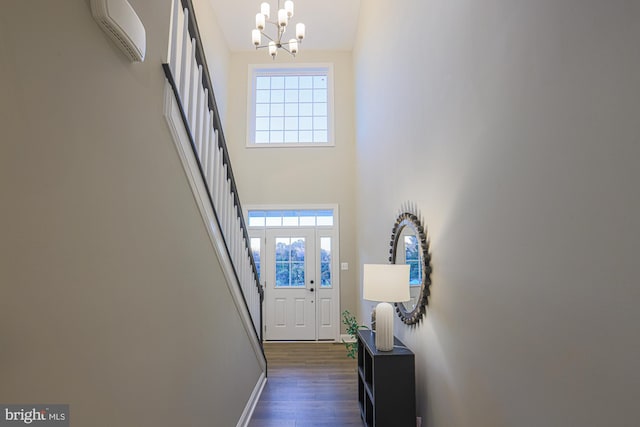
x=289, y=262
x=291, y=106
x=290, y=218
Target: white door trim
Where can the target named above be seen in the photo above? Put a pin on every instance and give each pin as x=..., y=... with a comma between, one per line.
x=260, y=232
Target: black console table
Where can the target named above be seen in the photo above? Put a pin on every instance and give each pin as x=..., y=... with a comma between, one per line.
x=386, y=383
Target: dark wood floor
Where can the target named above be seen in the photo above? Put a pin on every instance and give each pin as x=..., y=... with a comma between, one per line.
x=309, y=384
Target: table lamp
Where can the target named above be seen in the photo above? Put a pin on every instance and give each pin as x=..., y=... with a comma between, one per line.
x=385, y=283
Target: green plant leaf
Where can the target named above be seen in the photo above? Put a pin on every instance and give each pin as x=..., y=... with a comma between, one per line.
x=352, y=327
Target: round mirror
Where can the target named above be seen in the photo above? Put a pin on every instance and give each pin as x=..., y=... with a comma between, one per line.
x=409, y=246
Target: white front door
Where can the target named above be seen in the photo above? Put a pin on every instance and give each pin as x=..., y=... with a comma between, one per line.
x=290, y=298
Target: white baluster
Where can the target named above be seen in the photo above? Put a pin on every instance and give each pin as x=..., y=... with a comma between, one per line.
x=235, y=242
x=225, y=210
x=198, y=117
x=185, y=61
x=175, y=45
x=221, y=183
x=229, y=201
x=232, y=239
x=238, y=237
x=212, y=147
x=243, y=262
x=234, y=231
x=226, y=207
x=206, y=145
x=220, y=203
x=194, y=85
x=223, y=179
x=229, y=206
x=215, y=170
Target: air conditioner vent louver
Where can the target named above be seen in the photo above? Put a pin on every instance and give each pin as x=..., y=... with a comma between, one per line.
x=120, y=22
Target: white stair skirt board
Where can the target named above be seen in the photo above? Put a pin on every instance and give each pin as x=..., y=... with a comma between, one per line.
x=183, y=146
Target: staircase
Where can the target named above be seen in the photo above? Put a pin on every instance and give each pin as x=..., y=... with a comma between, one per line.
x=199, y=130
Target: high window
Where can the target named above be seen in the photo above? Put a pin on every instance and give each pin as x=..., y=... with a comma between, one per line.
x=291, y=106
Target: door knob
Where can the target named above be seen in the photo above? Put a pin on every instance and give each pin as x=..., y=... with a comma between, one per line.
x=312, y=290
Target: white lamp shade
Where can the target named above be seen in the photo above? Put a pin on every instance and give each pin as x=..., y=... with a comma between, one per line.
x=386, y=282
x=273, y=49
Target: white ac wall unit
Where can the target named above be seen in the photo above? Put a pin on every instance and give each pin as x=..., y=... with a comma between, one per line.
x=118, y=19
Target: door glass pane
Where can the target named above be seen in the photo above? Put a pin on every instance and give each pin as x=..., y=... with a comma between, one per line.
x=297, y=274
x=290, y=262
x=283, y=249
x=283, y=276
x=325, y=262
x=297, y=249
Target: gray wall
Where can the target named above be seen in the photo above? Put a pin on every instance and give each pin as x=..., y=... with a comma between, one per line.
x=112, y=298
x=216, y=52
x=514, y=127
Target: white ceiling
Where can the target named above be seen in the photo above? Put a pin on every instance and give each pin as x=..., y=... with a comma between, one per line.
x=330, y=24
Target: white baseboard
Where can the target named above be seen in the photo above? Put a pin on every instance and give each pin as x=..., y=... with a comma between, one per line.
x=346, y=338
x=253, y=401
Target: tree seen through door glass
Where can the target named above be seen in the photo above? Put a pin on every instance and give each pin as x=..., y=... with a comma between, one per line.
x=290, y=256
x=325, y=262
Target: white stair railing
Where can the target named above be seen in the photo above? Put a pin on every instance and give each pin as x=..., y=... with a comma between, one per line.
x=188, y=75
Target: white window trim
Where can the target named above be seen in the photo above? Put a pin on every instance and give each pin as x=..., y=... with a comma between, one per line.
x=251, y=93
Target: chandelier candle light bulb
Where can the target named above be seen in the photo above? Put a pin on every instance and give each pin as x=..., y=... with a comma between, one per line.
x=260, y=21
x=300, y=30
x=288, y=6
x=283, y=20
x=265, y=9
x=293, y=46
x=256, y=36
x=280, y=21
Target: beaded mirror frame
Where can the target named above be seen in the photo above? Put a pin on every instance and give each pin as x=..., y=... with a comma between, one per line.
x=409, y=217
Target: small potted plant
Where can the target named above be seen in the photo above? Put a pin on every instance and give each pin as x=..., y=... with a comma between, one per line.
x=353, y=326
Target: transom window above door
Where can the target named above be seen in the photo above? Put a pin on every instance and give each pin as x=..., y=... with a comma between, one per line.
x=290, y=106
x=290, y=218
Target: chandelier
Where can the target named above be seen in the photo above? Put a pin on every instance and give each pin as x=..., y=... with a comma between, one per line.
x=284, y=14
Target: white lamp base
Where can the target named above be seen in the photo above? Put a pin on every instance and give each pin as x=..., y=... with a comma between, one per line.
x=384, y=326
